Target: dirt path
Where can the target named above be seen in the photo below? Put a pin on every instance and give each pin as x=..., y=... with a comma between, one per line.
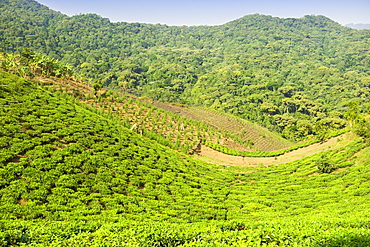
x=209, y=155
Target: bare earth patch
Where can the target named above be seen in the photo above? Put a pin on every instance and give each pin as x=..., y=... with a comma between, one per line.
x=209, y=155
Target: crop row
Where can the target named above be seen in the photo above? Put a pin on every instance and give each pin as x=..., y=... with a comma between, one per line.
x=247, y=132
x=229, y=151
x=76, y=176
x=166, y=128
x=308, y=231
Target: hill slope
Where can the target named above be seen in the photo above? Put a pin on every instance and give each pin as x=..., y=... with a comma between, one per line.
x=276, y=72
x=252, y=134
x=59, y=156
x=216, y=157
x=178, y=127
x=73, y=173
x=88, y=180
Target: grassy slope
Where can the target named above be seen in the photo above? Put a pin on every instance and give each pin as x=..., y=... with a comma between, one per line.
x=261, y=138
x=64, y=161
x=179, y=127
x=187, y=126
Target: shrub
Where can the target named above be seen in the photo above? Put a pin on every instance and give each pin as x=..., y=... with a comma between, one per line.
x=324, y=165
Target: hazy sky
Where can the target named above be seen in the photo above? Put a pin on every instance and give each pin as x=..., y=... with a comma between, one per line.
x=212, y=12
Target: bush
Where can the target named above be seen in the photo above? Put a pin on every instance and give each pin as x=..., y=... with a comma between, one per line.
x=324, y=165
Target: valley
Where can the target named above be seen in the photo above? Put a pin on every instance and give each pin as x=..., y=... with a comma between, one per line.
x=255, y=132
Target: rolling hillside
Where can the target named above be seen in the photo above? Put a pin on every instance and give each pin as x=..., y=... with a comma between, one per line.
x=67, y=166
x=179, y=127
x=252, y=134
x=288, y=75
x=107, y=130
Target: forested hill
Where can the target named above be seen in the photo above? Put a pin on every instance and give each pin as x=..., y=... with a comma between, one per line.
x=290, y=75
x=73, y=174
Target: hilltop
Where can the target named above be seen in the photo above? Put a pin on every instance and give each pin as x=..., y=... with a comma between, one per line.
x=272, y=71
x=130, y=134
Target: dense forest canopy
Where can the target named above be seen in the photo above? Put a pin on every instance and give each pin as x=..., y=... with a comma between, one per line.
x=274, y=71
x=74, y=172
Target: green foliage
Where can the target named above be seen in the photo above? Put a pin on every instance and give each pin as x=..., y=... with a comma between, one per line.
x=292, y=232
x=363, y=129
x=257, y=67
x=353, y=113
x=324, y=165
x=361, y=123
x=243, y=132
x=97, y=85
x=229, y=151
x=75, y=175
x=30, y=64
x=70, y=175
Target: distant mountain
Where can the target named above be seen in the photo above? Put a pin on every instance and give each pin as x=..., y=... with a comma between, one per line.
x=358, y=26
x=75, y=174
x=286, y=74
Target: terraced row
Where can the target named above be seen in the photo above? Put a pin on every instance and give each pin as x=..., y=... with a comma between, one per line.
x=261, y=138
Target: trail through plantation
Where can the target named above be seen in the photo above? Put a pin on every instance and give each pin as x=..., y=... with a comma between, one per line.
x=215, y=157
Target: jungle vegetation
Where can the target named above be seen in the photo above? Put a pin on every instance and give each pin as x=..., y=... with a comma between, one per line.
x=75, y=171
x=290, y=75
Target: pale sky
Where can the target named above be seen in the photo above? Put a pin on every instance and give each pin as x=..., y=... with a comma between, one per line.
x=212, y=12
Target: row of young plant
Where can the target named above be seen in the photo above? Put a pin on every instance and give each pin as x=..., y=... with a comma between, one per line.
x=144, y=116
x=249, y=134
x=167, y=128
x=302, y=231
x=164, y=127
x=66, y=146
x=84, y=179
x=61, y=160
x=229, y=151
x=302, y=219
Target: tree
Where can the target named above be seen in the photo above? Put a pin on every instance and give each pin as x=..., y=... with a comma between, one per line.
x=97, y=85
x=366, y=81
x=362, y=129
x=127, y=79
x=321, y=131
x=269, y=108
x=272, y=85
x=304, y=127
x=325, y=165
x=287, y=91
x=353, y=113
